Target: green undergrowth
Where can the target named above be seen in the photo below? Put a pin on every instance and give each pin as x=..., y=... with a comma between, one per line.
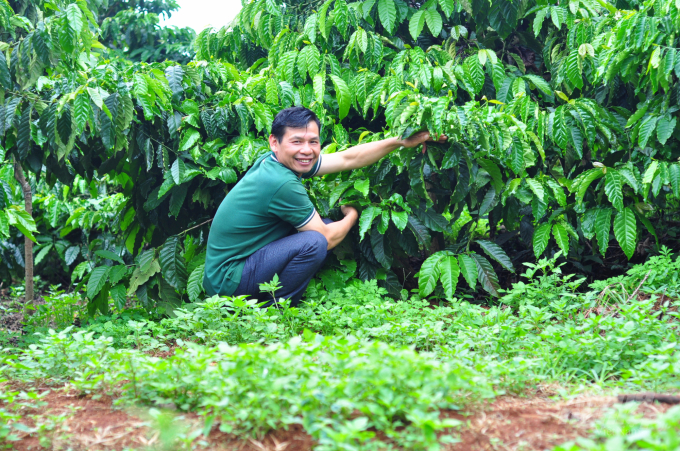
x=547, y=327
x=623, y=429
x=342, y=390
x=362, y=371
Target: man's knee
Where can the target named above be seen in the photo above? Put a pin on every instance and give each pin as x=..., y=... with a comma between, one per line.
x=317, y=244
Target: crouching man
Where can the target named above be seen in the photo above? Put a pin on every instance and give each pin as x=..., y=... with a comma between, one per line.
x=267, y=225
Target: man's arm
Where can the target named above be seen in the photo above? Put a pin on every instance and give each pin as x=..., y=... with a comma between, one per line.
x=366, y=154
x=334, y=232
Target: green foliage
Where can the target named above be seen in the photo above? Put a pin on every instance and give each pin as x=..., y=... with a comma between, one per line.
x=622, y=428
x=563, y=136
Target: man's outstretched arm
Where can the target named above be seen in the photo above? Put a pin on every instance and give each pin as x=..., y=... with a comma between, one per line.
x=334, y=232
x=366, y=154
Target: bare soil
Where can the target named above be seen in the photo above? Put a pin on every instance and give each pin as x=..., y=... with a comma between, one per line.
x=508, y=423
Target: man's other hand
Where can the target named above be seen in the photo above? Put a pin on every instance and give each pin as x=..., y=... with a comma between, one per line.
x=348, y=209
x=420, y=138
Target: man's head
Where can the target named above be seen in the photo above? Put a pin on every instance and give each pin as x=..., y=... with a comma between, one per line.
x=295, y=138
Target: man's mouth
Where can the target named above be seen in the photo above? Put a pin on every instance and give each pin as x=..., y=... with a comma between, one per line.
x=304, y=160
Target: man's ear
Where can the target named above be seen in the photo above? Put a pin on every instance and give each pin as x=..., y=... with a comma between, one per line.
x=273, y=143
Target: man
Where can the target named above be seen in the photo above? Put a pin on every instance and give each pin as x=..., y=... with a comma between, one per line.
x=253, y=235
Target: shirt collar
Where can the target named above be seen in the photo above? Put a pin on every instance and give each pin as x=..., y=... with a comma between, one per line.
x=273, y=157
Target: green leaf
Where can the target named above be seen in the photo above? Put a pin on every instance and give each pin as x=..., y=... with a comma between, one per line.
x=560, y=128
x=387, y=12
x=97, y=280
x=497, y=253
x=486, y=275
x=637, y=115
x=118, y=295
x=583, y=182
x=338, y=191
x=43, y=252
x=22, y=221
x=117, y=273
x=573, y=69
x=343, y=96
x=434, y=21
x=674, y=176
x=81, y=111
x=625, y=231
x=558, y=15
x=24, y=132
x=429, y=274
x=103, y=253
x=540, y=83
x=319, y=87
x=384, y=221
x=613, y=187
x=516, y=162
x=174, y=75
x=447, y=6
x=367, y=216
x=140, y=276
x=5, y=79
x=177, y=171
x=195, y=283
x=416, y=24
x=322, y=18
x=536, y=187
x=380, y=252
x=79, y=270
x=646, y=129
x=449, y=272
x=603, y=221
x=538, y=20
x=495, y=173
x=190, y=137
x=475, y=73
x=558, y=192
x=172, y=263
x=419, y=230
x=4, y=224
x=400, y=219
x=362, y=186
x=664, y=128
x=561, y=237
x=541, y=237
x=75, y=19
x=468, y=268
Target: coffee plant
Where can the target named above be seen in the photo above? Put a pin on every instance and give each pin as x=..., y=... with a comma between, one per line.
x=561, y=120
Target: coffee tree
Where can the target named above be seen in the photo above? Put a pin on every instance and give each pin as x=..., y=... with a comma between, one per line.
x=561, y=120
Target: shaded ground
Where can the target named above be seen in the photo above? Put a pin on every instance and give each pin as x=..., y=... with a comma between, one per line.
x=70, y=420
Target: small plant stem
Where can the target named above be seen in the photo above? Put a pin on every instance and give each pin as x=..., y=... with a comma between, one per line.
x=28, y=244
x=472, y=229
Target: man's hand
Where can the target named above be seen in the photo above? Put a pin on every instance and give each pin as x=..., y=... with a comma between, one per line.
x=348, y=210
x=420, y=138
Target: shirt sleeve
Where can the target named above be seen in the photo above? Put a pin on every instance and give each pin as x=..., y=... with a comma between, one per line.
x=291, y=204
x=314, y=170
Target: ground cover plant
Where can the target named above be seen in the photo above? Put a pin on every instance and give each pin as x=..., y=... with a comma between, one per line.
x=360, y=371
x=533, y=254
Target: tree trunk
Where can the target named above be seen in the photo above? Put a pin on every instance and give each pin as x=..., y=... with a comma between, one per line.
x=28, y=244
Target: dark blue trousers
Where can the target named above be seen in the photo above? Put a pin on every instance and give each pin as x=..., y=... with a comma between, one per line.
x=295, y=258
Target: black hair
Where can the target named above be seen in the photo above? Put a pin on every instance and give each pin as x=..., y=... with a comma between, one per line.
x=293, y=117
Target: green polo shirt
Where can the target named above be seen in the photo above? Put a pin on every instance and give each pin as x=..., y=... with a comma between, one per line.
x=269, y=203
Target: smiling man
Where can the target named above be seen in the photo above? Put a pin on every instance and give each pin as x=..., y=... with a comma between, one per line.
x=267, y=225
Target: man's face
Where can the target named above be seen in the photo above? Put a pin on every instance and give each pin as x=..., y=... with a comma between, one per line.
x=299, y=149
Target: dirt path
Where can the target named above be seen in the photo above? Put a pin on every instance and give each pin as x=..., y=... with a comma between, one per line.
x=507, y=424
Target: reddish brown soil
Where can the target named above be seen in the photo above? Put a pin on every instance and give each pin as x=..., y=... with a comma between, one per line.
x=530, y=424
x=508, y=423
